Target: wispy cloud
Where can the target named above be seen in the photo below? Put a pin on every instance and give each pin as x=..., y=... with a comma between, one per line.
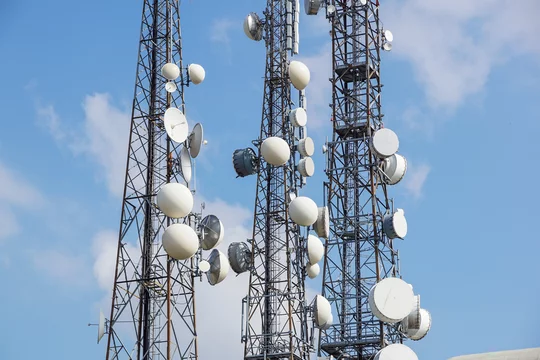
x=69, y=268
x=415, y=179
x=220, y=29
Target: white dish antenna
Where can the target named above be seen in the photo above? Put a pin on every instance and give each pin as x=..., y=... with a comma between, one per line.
x=176, y=124
x=239, y=257
x=315, y=249
x=413, y=319
x=395, y=225
x=306, y=167
x=253, y=27
x=419, y=332
x=303, y=211
x=212, y=232
x=328, y=323
x=170, y=71
x=204, y=266
x=185, y=164
x=196, y=140
x=387, y=46
x=396, y=352
x=313, y=270
x=395, y=168
x=299, y=75
x=322, y=311
x=275, y=151
x=170, y=87
x=322, y=225
x=384, y=143
x=306, y=147
x=363, y=2
x=219, y=267
x=330, y=10
x=312, y=6
x=298, y=117
x=101, y=326
x=180, y=241
x=390, y=300
x=388, y=35
x=175, y=200
x=196, y=73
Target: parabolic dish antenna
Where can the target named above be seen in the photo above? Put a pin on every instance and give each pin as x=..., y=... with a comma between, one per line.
x=390, y=300
x=384, y=143
x=395, y=168
x=322, y=225
x=292, y=196
x=180, y=241
x=170, y=71
x=396, y=352
x=175, y=200
x=196, y=73
x=303, y=211
x=422, y=329
x=239, y=257
x=185, y=164
x=101, y=326
x=298, y=117
x=315, y=249
x=412, y=321
x=306, y=167
x=170, y=87
x=330, y=10
x=204, y=266
x=275, y=151
x=219, y=267
x=212, y=232
x=245, y=162
x=175, y=124
x=387, y=46
x=322, y=311
x=388, y=35
x=306, y=146
x=312, y=6
x=328, y=323
x=253, y=27
x=196, y=140
x=395, y=225
x=313, y=270
x=299, y=74
x=363, y=2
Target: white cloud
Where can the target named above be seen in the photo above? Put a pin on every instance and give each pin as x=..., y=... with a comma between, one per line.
x=68, y=268
x=220, y=30
x=49, y=118
x=416, y=178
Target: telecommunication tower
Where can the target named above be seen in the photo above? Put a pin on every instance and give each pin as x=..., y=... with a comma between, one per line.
x=375, y=308
x=161, y=238
x=281, y=252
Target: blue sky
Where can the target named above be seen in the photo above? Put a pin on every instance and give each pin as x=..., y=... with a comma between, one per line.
x=461, y=91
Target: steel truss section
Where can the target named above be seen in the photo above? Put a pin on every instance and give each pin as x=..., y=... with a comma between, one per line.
x=276, y=306
x=153, y=303
x=358, y=254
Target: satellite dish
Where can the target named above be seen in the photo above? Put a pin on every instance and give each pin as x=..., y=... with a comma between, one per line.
x=315, y=249
x=390, y=300
x=299, y=75
x=384, y=143
x=101, y=326
x=313, y=270
x=303, y=211
x=175, y=200
x=387, y=46
x=292, y=196
x=396, y=352
x=196, y=73
x=412, y=321
x=275, y=151
x=394, y=168
x=175, y=124
x=395, y=225
x=253, y=27
x=322, y=225
x=170, y=87
x=245, y=162
x=312, y=6
x=219, y=267
x=322, y=311
x=180, y=241
x=388, y=35
x=306, y=146
x=298, y=117
x=185, y=163
x=239, y=257
x=212, y=232
x=196, y=140
x=170, y=71
x=204, y=266
x=419, y=332
x=328, y=323
x=330, y=10
x=306, y=167
x=363, y=2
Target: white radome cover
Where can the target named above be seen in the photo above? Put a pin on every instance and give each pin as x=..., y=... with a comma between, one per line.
x=395, y=225
x=204, y=266
x=170, y=87
x=390, y=300
x=299, y=74
x=180, y=241
x=170, y=71
x=175, y=200
x=219, y=267
x=315, y=249
x=323, y=311
x=306, y=146
x=313, y=270
x=306, y=167
x=298, y=117
x=176, y=124
x=395, y=168
x=275, y=151
x=384, y=143
x=196, y=73
x=423, y=329
x=303, y=211
x=396, y=352
x=328, y=323
x=322, y=225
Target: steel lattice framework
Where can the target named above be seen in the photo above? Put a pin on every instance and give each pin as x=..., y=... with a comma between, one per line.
x=153, y=304
x=276, y=306
x=358, y=254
